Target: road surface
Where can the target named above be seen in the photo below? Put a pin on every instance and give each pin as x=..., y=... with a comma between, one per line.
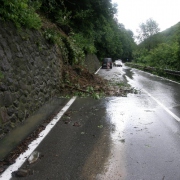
x=119, y=138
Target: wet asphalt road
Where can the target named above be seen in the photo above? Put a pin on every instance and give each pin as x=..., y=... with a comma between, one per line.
x=119, y=138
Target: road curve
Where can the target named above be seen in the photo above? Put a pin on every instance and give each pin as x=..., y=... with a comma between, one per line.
x=117, y=138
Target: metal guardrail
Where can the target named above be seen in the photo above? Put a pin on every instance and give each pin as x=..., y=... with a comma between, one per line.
x=167, y=71
x=175, y=73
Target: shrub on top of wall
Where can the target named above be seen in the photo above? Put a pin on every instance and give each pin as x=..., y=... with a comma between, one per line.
x=21, y=13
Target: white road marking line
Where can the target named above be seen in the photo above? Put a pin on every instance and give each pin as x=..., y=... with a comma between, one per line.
x=164, y=107
x=7, y=174
x=98, y=70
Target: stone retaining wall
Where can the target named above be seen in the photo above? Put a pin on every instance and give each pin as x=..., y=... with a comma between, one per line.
x=30, y=73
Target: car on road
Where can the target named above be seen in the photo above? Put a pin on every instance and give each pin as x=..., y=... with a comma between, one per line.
x=107, y=63
x=118, y=63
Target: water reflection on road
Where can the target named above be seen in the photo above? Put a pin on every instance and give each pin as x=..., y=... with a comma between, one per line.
x=165, y=91
x=114, y=168
x=144, y=138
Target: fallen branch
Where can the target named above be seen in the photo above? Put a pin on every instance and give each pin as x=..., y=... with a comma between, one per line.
x=73, y=87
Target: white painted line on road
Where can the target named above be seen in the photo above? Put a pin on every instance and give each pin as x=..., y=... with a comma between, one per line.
x=164, y=107
x=33, y=145
x=97, y=71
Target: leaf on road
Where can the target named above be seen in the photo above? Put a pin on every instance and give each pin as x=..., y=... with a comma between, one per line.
x=101, y=126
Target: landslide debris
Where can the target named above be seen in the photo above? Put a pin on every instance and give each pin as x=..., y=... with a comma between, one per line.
x=77, y=80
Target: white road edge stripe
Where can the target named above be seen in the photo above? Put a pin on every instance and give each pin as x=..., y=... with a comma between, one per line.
x=98, y=70
x=7, y=174
x=164, y=107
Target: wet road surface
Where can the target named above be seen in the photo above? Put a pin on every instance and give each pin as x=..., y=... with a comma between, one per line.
x=117, y=138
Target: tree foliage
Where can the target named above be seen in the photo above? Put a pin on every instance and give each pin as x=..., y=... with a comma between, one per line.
x=89, y=24
x=160, y=50
x=94, y=25
x=147, y=29
x=21, y=12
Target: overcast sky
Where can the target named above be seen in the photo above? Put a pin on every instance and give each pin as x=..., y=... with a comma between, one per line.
x=131, y=13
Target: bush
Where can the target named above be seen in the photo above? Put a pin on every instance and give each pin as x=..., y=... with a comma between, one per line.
x=85, y=44
x=71, y=51
x=21, y=13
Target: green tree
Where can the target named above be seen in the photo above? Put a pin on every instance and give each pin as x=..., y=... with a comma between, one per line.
x=147, y=29
x=160, y=50
x=91, y=24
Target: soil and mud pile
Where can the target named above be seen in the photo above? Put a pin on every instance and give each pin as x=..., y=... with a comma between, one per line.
x=79, y=81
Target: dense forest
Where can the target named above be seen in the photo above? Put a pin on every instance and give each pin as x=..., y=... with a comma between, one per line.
x=88, y=26
x=160, y=49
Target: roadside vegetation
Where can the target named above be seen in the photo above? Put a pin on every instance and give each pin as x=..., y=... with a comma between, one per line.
x=88, y=26
x=158, y=49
